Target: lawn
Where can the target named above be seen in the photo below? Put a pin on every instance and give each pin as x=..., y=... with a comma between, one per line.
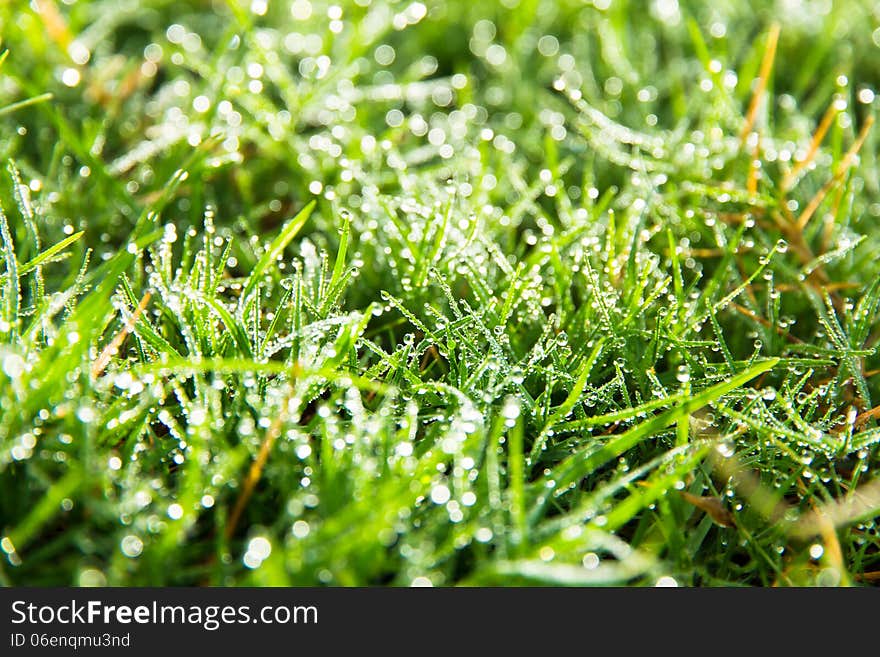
x=370, y=292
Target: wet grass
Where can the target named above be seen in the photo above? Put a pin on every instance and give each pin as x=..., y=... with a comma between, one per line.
x=449, y=293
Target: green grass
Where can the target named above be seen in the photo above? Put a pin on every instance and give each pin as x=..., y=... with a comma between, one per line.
x=380, y=293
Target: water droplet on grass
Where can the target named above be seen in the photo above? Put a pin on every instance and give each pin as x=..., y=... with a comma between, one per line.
x=132, y=546
x=590, y=561
x=440, y=494
x=666, y=582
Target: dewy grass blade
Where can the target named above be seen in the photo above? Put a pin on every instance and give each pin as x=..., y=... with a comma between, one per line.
x=22, y=104
x=46, y=256
x=580, y=465
x=49, y=506
x=569, y=403
x=539, y=266
x=238, y=332
x=336, y=278
x=291, y=228
x=11, y=288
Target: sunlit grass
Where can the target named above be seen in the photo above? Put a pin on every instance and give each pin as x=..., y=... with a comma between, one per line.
x=454, y=293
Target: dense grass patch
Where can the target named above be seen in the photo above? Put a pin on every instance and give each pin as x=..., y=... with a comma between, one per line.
x=528, y=292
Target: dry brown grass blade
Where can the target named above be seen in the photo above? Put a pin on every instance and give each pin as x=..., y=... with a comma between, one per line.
x=761, y=87
x=833, y=551
x=754, y=167
x=873, y=413
x=431, y=354
x=831, y=287
x=254, y=474
x=828, y=534
x=111, y=349
x=53, y=21
x=713, y=507
x=830, y=114
x=749, y=292
x=256, y=470
x=763, y=322
x=829, y=222
x=842, y=169
x=114, y=84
